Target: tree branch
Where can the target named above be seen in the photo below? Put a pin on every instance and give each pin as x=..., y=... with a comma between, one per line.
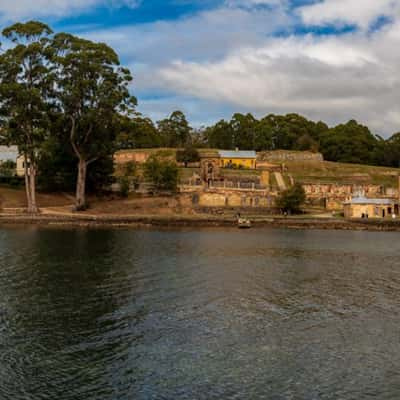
x=92, y=160
x=72, y=137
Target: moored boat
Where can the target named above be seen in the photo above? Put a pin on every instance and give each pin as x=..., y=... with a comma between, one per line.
x=244, y=223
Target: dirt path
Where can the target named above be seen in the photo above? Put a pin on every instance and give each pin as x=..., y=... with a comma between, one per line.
x=280, y=181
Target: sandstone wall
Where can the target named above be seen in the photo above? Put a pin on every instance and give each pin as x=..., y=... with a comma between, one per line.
x=236, y=199
x=287, y=155
x=139, y=157
x=332, y=196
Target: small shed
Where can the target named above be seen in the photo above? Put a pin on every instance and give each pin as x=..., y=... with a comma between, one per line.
x=363, y=207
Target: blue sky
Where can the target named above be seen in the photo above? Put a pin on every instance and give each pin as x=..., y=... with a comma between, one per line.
x=327, y=59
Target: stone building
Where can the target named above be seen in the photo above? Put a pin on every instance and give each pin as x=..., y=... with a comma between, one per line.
x=362, y=207
x=237, y=158
x=11, y=153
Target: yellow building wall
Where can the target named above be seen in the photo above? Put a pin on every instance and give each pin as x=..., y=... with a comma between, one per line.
x=244, y=162
x=373, y=211
x=20, y=170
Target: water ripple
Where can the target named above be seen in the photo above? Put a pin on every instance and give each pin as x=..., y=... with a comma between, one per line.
x=198, y=314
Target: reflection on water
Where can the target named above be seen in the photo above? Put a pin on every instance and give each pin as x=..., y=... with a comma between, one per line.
x=206, y=314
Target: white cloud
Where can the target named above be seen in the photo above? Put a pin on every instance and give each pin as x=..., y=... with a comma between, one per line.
x=359, y=12
x=328, y=78
x=207, y=35
x=217, y=62
x=11, y=10
x=252, y=3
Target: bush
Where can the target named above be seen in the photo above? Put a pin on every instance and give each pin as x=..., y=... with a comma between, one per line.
x=130, y=169
x=187, y=155
x=8, y=168
x=162, y=174
x=124, y=186
x=291, y=200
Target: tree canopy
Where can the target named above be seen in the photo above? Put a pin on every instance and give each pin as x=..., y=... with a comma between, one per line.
x=26, y=95
x=92, y=93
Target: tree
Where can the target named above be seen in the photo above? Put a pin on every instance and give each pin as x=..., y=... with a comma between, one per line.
x=263, y=135
x=306, y=143
x=350, y=142
x=244, y=129
x=92, y=92
x=162, y=173
x=7, y=168
x=220, y=136
x=175, y=130
x=137, y=133
x=390, y=151
x=26, y=88
x=292, y=199
x=187, y=155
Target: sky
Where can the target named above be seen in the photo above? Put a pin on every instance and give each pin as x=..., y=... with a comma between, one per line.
x=330, y=60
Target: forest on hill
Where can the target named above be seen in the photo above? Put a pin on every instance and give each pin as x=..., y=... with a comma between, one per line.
x=350, y=142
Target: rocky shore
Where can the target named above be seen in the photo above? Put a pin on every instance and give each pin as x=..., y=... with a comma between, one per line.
x=85, y=220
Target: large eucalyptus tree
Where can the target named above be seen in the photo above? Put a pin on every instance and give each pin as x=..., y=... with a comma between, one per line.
x=26, y=89
x=92, y=91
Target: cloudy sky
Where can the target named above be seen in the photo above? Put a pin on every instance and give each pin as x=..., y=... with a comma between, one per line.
x=329, y=60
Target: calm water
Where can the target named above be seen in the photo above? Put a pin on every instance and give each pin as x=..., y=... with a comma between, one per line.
x=206, y=314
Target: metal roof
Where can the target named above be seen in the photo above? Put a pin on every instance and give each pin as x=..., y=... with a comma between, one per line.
x=237, y=154
x=364, y=200
x=8, y=153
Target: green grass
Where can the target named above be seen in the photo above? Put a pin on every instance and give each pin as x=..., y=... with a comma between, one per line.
x=330, y=172
x=187, y=173
x=227, y=172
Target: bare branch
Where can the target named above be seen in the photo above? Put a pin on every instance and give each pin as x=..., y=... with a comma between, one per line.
x=72, y=137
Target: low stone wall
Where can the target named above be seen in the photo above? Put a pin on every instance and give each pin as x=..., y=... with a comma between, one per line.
x=332, y=196
x=226, y=198
x=122, y=157
x=287, y=155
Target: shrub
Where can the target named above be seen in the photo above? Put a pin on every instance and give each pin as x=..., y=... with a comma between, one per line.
x=163, y=174
x=124, y=186
x=130, y=169
x=187, y=155
x=7, y=168
x=292, y=199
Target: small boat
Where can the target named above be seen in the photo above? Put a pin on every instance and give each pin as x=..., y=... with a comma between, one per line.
x=244, y=223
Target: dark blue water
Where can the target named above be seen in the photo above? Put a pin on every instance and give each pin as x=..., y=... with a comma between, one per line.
x=199, y=314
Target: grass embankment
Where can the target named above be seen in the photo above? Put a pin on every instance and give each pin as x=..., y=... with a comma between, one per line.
x=16, y=198
x=340, y=173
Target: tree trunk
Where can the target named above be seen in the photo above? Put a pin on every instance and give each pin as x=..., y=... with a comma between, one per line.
x=27, y=185
x=80, y=201
x=33, y=208
x=30, y=186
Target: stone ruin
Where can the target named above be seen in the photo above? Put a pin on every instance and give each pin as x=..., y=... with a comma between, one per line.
x=282, y=156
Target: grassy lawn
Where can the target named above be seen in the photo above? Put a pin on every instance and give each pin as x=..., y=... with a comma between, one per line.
x=226, y=172
x=16, y=198
x=330, y=172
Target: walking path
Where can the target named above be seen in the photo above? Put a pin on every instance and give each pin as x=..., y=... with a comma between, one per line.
x=280, y=181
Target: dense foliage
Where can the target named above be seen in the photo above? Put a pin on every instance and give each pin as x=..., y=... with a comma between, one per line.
x=163, y=174
x=291, y=200
x=187, y=155
x=26, y=95
x=350, y=142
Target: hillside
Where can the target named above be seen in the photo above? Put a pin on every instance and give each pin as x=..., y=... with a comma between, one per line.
x=331, y=172
x=306, y=171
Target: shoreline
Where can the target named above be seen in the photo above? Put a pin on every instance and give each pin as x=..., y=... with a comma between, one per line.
x=176, y=221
